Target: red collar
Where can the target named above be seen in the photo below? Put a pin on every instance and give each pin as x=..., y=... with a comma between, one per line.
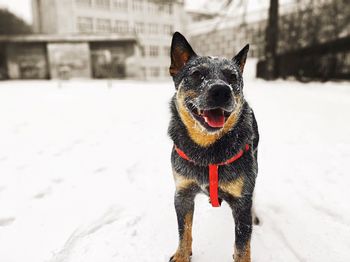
x=213, y=173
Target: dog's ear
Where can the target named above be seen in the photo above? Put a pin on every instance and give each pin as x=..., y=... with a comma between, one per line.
x=241, y=57
x=180, y=53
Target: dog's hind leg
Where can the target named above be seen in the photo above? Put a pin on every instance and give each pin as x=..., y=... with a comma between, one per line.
x=184, y=205
x=256, y=219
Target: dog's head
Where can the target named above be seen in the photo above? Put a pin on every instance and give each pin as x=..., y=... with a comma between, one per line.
x=209, y=90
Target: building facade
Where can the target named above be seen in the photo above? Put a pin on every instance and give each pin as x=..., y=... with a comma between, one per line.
x=151, y=22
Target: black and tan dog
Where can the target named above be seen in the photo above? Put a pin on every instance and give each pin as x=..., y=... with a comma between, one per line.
x=215, y=138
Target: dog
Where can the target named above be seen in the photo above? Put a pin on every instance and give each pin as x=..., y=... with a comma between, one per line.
x=216, y=138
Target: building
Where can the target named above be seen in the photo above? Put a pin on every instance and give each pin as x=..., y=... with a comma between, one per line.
x=151, y=22
x=64, y=57
x=195, y=16
x=313, y=37
x=225, y=35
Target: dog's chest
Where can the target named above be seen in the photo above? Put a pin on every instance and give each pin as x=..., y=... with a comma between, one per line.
x=204, y=188
x=233, y=187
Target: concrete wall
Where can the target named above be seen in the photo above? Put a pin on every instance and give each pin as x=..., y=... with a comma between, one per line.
x=36, y=17
x=44, y=16
x=65, y=17
x=53, y=16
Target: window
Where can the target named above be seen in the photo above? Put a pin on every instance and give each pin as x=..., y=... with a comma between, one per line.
x=137, y=5
x=143, y=72
x=84, y=2
x=139, y=28
x=103, y=26
x=153, y=28
x=166, y=51
x=121, y=5
x=166, y=71
x=252, y=52
x=154, y=71
x=103, y=3
x=168, y=8
x=167, y=29
x=143, y=50
x=121, y=27
x=85, y=24
x=152, y=7
x=153, y=50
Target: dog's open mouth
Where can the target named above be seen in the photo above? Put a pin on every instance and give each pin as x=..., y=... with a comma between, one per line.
x=210, y=118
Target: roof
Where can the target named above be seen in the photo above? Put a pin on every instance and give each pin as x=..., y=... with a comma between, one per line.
x=35, y=38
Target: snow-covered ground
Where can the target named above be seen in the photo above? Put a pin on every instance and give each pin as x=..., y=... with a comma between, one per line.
x=85, y=174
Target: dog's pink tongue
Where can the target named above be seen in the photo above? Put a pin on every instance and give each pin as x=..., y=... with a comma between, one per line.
x=214, y=118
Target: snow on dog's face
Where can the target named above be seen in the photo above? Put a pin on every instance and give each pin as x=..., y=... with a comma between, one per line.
x=209, y=90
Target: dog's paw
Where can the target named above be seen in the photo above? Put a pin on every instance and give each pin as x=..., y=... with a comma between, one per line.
x=256, y=220
x=180, y=258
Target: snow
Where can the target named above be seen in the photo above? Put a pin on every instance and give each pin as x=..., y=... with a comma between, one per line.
x=85, y=174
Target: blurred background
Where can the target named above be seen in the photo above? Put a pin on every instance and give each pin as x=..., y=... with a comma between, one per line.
x=85, y=170
x=50, y=39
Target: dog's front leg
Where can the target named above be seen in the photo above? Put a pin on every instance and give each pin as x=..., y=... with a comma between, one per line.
x=184, y=205
x=242, y=213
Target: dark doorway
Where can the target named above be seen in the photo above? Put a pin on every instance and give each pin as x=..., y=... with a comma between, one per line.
x=108, y=60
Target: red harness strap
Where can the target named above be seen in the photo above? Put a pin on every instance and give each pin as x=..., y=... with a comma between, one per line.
x=214, y=173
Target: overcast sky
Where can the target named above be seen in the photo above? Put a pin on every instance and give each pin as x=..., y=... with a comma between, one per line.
x=23, y=7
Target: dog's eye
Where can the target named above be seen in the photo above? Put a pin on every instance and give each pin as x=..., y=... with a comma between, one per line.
x=196, y=74
x=230, y=76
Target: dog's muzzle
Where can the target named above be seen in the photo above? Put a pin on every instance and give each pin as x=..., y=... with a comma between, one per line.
x=219, y=95
x=214, y=105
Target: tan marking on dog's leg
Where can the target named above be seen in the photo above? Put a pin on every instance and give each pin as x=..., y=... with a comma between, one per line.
x=243, y=255
x=234, y=187
x=184, y=251
x=182, y=182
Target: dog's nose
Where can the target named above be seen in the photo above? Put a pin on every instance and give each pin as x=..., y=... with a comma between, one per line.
x=219, y=94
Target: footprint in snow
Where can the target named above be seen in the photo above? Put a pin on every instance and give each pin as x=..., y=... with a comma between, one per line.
x=109, y=217
x=57, y=180
x=100, y=170
x=44, y=193
x=6, y=221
